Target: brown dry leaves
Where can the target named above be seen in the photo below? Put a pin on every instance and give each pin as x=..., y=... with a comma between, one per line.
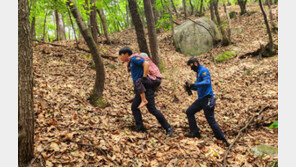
x=71, y=132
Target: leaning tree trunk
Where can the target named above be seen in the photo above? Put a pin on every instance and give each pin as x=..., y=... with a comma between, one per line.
x=96, y=95
x=225, y=39
x=242, y=5
x=103, y=21
x=70, y=18
x=153, y=43
x=138, y=26
x=93, y=21
x=25, y=87
x=267, y=27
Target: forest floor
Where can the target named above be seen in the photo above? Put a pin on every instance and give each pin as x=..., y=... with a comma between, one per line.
x=71, y=132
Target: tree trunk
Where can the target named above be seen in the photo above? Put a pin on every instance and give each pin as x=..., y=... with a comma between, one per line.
x=184, y=8
x=267, y=27
x=96, y=95
x=103, y=21
x=57, y=25
x=63, y=29
x=25, y=87
x=171, y=19
x=200, y=9
x=153, y=43
x=225, y=40
x=72, y=26
x=242, y=5
x=175, y=9
x=93, y=21
x=33, y=30
x=228, y=19
x=270, y=12
x=127, y=17
x=138, y=26
x=212, y=10
x=192, y=8
x=44, y=28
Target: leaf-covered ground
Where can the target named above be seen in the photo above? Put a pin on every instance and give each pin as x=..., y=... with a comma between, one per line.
x=71, y=132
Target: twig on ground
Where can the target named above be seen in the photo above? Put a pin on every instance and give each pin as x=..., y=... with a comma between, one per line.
x=240, y=132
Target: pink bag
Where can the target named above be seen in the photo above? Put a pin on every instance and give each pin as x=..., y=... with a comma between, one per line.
x=153, y=69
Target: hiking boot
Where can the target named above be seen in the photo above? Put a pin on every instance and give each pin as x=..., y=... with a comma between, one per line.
x=226, y=143
x=193, y=135
x=169, y=131
x=140, y=129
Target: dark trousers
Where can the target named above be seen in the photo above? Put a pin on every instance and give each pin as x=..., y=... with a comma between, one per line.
x=141, y=85
x=209, y=113
x=151, y=108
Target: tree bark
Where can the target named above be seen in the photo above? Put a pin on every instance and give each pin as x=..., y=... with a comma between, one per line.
x=138, y=26
x=103, y=21
x=153, y=43
x=44, y=28
x=25, y=87
x=184, y=8
x=93, y=21
x=225, y=40
x=127, y=17
x=97, y=92
x=171, y=19
x=63, y=29
x=242, y=5
x=57, y=18
x=200, y=10
x=212, y=10
x=192, y=7
x=267, y=27
x=228, y=19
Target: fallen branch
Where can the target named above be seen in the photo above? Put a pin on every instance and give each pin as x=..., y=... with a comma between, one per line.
x=240, y=132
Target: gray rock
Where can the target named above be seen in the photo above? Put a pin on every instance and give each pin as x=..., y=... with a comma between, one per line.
x=193, y=39
x=262, y=150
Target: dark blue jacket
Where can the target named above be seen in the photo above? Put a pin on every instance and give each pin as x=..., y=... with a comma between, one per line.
x=136, y=67
x=203, y=83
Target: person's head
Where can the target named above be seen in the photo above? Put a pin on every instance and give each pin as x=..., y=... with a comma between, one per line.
x=193, y=63
x=125, y=53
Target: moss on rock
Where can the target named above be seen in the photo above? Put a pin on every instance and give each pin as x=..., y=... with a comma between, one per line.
x=225, y=56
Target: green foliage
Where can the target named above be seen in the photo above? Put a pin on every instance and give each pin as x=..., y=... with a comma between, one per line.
x=273, y=125
x=225, y=56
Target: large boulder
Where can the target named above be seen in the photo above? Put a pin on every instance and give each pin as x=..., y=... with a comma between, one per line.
x=195, y=38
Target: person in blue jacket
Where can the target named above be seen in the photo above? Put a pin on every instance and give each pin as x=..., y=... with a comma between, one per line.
x=205, y=101
x=139, y=70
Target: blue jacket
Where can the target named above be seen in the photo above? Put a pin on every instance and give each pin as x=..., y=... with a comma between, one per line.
x=203, y=84
x=136, y=67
